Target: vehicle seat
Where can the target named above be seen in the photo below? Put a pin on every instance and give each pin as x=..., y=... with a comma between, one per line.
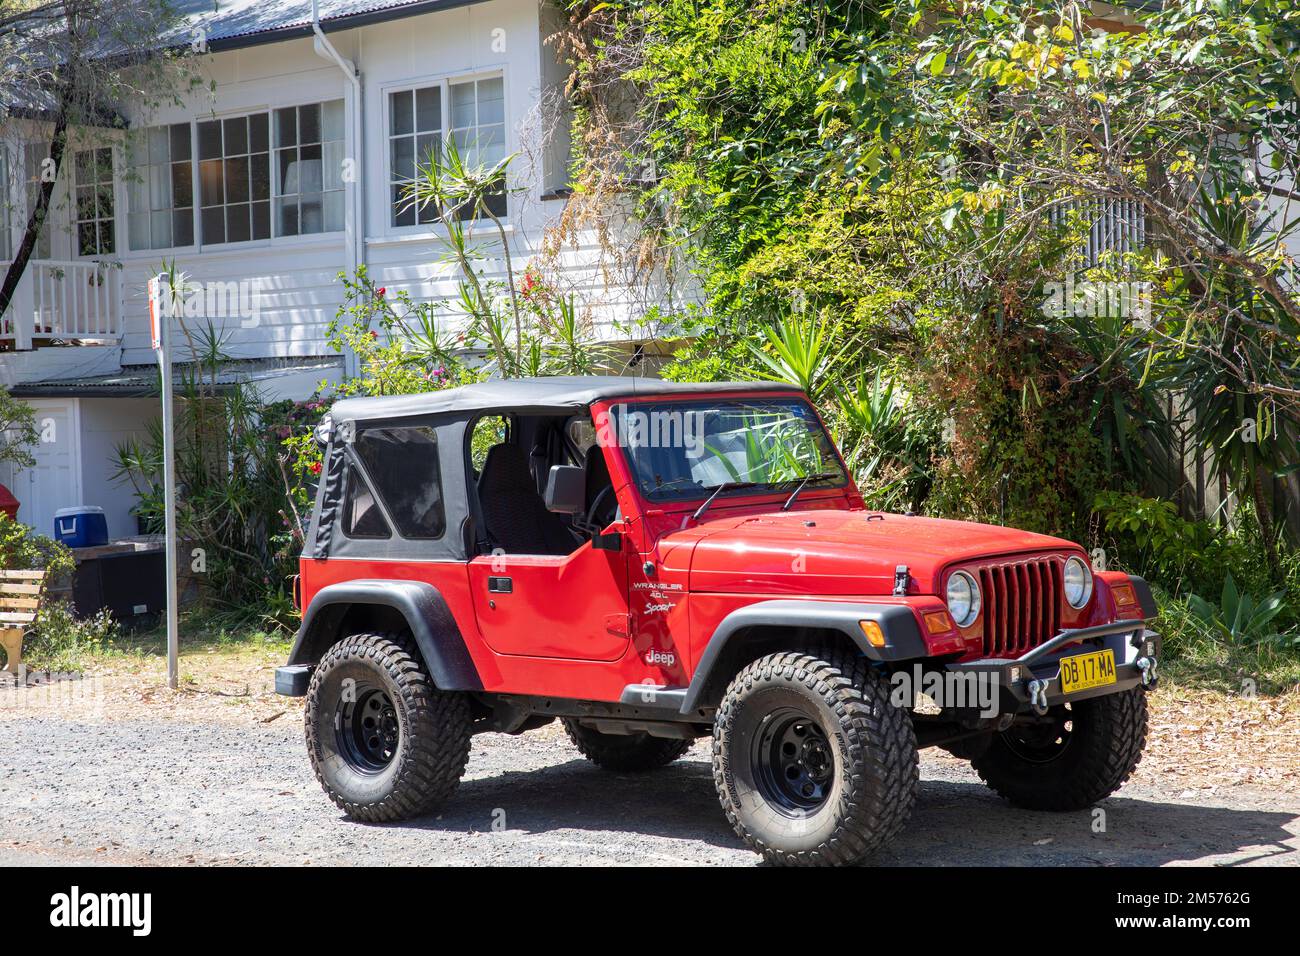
x=515, y=514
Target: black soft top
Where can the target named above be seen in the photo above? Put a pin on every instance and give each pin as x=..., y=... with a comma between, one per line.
x=561, y=393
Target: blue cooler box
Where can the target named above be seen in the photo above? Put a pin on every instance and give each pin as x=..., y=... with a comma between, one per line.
x=81, y=527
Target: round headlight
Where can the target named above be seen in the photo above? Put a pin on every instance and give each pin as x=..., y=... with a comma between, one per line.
x=963, y=598
x=1078, y=582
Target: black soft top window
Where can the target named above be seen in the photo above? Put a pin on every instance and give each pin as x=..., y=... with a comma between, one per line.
x=361, y=515
x=403, y=464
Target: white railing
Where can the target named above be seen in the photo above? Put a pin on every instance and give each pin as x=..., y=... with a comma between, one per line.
x=64, y=302
x=1114, y=225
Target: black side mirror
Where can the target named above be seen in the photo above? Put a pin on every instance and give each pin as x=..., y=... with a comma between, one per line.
x=566, y=489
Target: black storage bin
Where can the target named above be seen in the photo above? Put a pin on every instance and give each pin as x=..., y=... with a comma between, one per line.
x=130, y=585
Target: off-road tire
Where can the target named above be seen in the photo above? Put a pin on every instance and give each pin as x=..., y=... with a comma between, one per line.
x=870, y=789
x=624, y=752
x=1105, y=743
x=433, y=730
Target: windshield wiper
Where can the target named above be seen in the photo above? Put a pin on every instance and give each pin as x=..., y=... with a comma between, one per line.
x=819, y=476
x=725, y=486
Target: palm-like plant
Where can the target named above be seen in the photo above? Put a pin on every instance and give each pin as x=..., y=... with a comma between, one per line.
x=797, y=351
x=1236, y=365
x=1124, y=400
x=1240, y=618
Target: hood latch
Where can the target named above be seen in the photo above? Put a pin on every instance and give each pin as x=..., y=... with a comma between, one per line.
x=900, y=580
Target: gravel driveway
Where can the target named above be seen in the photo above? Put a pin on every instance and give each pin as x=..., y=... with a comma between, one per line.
x=164, y=789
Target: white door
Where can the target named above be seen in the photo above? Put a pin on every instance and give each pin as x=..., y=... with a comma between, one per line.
x=55, y=480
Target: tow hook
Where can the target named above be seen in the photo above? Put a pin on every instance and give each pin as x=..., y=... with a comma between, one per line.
x=1147, y=665
x=1038, y=696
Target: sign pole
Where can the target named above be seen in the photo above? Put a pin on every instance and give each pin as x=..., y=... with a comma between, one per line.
x=159, y=311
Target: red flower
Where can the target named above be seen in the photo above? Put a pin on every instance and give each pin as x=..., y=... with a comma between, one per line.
x=382, y=290
x=314, y=468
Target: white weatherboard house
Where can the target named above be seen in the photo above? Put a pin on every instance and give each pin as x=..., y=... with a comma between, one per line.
x=280, y=174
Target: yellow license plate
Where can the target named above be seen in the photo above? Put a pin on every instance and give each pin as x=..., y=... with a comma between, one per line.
x=1084, y=671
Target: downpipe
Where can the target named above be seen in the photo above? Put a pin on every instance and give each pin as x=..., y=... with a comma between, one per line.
x=354, y=214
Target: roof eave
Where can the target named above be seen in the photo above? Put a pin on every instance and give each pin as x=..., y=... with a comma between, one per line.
x=335, y=25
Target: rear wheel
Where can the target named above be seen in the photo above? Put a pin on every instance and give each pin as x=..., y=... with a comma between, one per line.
x=813, y=764
x=624, y=752
x=1076, y=754
x=384, y=742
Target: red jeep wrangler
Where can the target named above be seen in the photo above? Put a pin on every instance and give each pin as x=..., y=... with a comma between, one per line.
x=653, y=562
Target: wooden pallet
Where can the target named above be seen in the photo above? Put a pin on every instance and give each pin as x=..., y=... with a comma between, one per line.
x=21, y=593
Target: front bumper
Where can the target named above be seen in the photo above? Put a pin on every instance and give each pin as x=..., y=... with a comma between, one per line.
x=1033, y=680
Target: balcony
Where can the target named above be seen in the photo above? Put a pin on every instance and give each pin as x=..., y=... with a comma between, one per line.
x=65, y=320
x=63, y=303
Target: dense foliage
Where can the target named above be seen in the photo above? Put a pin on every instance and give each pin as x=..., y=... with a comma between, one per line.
x=888, y=203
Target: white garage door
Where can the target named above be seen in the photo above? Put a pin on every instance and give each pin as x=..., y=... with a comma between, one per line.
x=55, y=480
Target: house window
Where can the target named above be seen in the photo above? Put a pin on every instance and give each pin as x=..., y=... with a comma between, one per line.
x=415, y=134
x=39, y=168
x=309, y=169
x=234, y=179
x=94, y=209
x=478, y=127
x=161, y=188
x=469, y=112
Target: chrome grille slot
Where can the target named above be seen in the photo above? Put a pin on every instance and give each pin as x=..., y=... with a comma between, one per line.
x=1022, y=606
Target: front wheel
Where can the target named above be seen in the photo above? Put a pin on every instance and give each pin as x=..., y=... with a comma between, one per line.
x=813, y=764
x=1073, y=756
x=384, y=742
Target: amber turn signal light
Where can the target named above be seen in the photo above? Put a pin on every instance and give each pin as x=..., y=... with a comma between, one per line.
x=875, y=636
x=938, y=622
x=1124, y=595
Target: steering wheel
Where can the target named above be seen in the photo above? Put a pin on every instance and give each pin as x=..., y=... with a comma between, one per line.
x=585, y=528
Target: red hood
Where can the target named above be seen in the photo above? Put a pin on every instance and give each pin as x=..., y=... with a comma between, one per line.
x=842, y=552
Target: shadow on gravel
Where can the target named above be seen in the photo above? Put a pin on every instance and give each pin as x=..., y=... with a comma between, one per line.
x=677, y=802
x=955, y=823
x=965, y=824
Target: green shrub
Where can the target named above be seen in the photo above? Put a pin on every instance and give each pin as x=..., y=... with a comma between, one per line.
x=1242, y=618
x=1183, y=557
x=57, y=639
x=1197, y=654
x=60, y=641
x=22, y=550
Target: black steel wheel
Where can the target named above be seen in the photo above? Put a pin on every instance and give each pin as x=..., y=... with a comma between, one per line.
x=1043, y=740
x=384, y=742
x=1082, y=753
x=367, y=729
x=793, y=761
x=813, y=764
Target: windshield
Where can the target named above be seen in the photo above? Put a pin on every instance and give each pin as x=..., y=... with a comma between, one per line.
x=683, y=449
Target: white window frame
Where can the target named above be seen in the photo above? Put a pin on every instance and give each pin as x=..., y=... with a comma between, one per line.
x=250, y=243
x=445, y=81
x=277, y=187
x=124, y=201
x=75, y=207
x=275, y=240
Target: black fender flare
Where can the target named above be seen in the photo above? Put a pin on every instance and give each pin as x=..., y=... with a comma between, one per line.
x=898, y=622
x=424, y=609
